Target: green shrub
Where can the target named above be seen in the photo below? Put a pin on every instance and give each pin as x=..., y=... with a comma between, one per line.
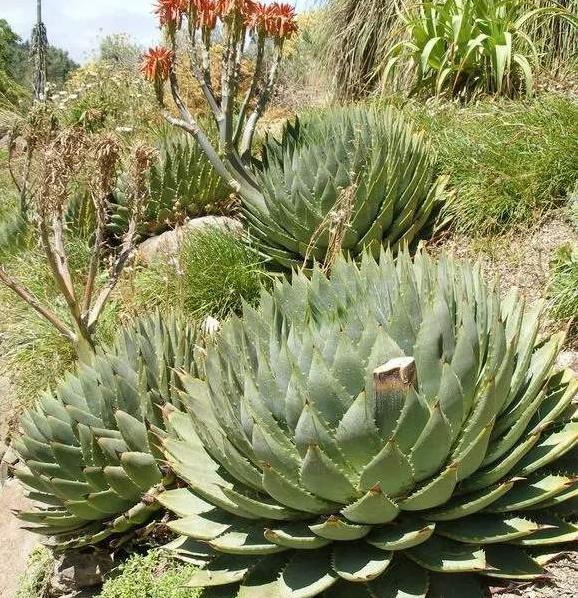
x=34, y=582
x=154, y=575
x=509, y=161
x=212, y=275
x=462, y=47
x=563, y=288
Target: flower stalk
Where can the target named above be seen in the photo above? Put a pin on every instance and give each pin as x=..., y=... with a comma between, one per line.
x=236, y=118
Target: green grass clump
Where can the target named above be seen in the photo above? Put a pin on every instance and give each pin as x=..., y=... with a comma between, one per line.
x=154, y=575
x=212, y=275
x=510, y=162
x=34, y=583
x=563, y=288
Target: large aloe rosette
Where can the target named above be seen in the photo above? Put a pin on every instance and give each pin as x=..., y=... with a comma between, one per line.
x=364, y=171
x=89, y=450
x=373, y=433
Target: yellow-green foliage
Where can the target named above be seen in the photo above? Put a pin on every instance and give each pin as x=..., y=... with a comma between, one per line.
x=154, y=575
x=509, y=161
x=34, y=582
x=104, y=95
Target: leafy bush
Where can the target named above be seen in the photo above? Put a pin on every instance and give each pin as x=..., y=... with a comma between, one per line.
x=343, y=180
x=107, y=95
x=509, y=161
x=563, y=288
x=395, y=429
x=467, y=46
x=154, y=575
x=213, y=274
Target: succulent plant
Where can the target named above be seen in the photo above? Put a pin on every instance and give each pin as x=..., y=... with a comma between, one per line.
x=89, y=449
x=360, y=169
x=372, y=434
x=182, y=184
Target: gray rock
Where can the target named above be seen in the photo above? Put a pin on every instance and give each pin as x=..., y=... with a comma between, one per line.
x=167, y=245
x=77, y=571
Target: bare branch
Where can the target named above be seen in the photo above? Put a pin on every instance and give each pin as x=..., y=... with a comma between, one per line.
x=35, y=304
x=107, y=154
x=142, y=161
x=252, y=89
x=249, y=131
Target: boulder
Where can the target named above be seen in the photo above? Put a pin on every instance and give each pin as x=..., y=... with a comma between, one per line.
x=77, y=572
x=167, y=245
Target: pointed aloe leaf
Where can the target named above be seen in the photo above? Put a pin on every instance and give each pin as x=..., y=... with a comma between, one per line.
x=445, y=556
x=413, y=419
x=203, y=527
x=530, y=493
x=391, y=469
x=262, y=581
x=554, y=531
x=359, y=562
x=433, y=446
x=245, y=540
x=323, y=478
x=109, y=502
x=401, y=535
x=551, y=447
x=119, y=481
x=402, y=579
x=357, y=433
x=335, y=528
x=500, y=469
x=465, y=505
x=432, y=494
x=133, y=431
x=308, y=574
x=292, y=495
x=142, y=469
x=224, y=570
x=487, y=529
x=261, y=507
x=472, y=458
x=81, y=508
x=511, y=562
x=373, y=508
x=296, y=535
x=183, y=502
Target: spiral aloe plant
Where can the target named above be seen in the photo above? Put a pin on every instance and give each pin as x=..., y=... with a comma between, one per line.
x=90, y=449
x=371, y=435
x=181, y=184
x=353, y=177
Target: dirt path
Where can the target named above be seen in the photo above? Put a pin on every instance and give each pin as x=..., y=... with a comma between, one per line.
x=15, y=544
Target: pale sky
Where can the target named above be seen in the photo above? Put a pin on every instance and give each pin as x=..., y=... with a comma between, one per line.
x=78, y=25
